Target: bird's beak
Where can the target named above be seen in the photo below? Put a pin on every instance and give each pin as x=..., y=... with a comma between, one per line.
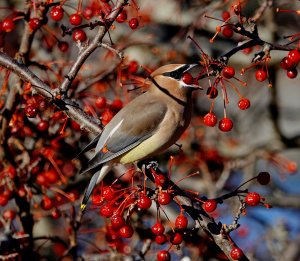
x=193, y=85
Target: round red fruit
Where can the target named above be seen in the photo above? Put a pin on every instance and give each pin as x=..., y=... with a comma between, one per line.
x=107, y=210
x=160, y=180
x=63, y=46
x=163, y=255
x=210, y=205
x=187, y=78
x=8, y=25
x=260, y=75
x=164, y=198
x=100, y=102
x=75, y=19
x=34, y=24
x=236, y=253
x=144, y=202
x=117, y=221
x=294, y=57
x=252, y=199
x=158, y=229
x=263, y=178
x=286, y=63
x=133, y=23
x=121, y=18
x=133, y=66
x=88, y=13
x=210, y=119
x=225, y=15
x=227, y=31
x=46, y=203
x=176, y=239
x=292, y=73
x=126, y=231
x=79, y=35
x=181, y=222
x=9, y=214
x=225, y=124
x=160, y=239
x=108, y=193
x=31, y=110
x=244, y=104
x=57, y=13
x=228, y=72
x=116, y=105
x=43, y=125
x=3, y=200
x=212, y=92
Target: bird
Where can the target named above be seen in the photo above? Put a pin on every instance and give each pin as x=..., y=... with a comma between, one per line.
x=145, y=127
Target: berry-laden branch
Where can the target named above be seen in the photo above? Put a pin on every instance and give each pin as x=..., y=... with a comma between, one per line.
x=86, y=122
x=197, y=213
x=95, y=43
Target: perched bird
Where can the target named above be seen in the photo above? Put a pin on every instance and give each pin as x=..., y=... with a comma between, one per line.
x=146, y=126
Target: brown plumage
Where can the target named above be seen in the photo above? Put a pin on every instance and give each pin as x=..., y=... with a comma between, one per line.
x=146, y=126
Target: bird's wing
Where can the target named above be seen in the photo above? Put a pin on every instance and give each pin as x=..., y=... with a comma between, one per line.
x=90, y=146
x=131, y=126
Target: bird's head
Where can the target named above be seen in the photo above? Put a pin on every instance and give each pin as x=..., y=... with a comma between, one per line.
x=170, y=77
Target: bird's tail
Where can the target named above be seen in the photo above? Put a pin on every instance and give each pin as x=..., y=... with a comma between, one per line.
x=96, y=178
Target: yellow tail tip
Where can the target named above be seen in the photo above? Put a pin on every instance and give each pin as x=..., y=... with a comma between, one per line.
x=82, y=207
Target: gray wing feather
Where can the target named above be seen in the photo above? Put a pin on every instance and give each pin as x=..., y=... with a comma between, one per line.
x=132, y=129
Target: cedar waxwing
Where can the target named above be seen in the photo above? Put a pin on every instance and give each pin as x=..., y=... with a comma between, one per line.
x=146, y=126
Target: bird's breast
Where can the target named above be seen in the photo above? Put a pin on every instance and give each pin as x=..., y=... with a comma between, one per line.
x=167, y=133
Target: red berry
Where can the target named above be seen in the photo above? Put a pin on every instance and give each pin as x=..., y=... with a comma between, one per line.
x=57, y=13
x=107, y=210
x=133, y=23
x=252, y=199
x=8, y=25
x=41, y=179
x=46, y=203
x=100, y=102
x=106, y=116
x=51, y=176
x=225, y=15
x=292, y=73
x=55, y=213
x=117, y=221
x=126, y=231
x=108, y=193
x=9, y=214
x=63, y=46
x=160, y=180
x=164, y=198
x=228, y=72
x=79, y=35
x=225, y=124
x=158, y=229
x=260, y=75
x=244, y=104
x=236, y=253
x=227, y=31
x=88, y=13
x=116, y=105
x=121, y=18
x=3, y=200
x=210, y=119
x=212, y=92
x=263, y=178
x=160, y=239
x=181, y=222
x=31, y=110
x=294, y=57
x=176, y=239
x=43, y=125
x=34, y=24
x=133, y=66
x=163, y=255
x=210, y=205
x=187, y=78
x=144, y=202
x=75, y=19
x=286, y=63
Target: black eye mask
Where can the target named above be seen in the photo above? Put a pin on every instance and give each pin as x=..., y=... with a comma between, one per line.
x=177, y=74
